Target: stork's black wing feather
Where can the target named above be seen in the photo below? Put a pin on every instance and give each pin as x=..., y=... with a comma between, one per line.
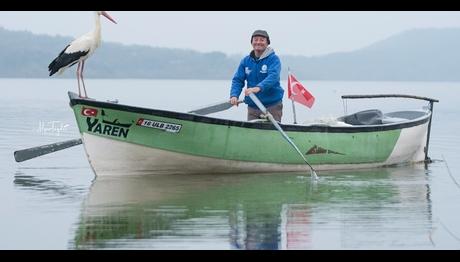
x=64, y=60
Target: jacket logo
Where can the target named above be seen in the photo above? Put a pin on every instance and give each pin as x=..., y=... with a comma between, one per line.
x=247, y=70
x=263, y=70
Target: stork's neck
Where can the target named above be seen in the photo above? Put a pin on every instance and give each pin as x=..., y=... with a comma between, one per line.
x=97, y=29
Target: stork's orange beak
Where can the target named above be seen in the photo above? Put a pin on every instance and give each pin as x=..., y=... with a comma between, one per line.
x=104, y=13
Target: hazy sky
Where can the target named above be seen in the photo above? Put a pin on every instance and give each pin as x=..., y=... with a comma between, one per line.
x=297, y=33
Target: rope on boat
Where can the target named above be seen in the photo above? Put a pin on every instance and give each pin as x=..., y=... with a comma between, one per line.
x=439, y=220
x=448, y=231
x=450, y=174
x=430, y=235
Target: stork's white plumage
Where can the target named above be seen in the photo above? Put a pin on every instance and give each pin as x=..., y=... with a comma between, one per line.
x=79, y=50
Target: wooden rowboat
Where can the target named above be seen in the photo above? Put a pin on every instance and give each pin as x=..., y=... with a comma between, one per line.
x=121, y=139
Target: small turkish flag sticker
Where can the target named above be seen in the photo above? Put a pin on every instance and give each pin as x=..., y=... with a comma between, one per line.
x=88, y=111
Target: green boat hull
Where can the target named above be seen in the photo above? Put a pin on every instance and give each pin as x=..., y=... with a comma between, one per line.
x=122, y=139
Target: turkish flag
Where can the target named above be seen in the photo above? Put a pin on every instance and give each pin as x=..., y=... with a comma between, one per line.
x=298, y=93
x=86, y=111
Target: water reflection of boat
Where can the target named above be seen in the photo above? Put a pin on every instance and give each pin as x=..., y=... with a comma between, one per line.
x=52, y=187
x=249, y=211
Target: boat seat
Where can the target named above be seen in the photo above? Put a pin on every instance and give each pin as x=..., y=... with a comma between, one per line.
x=258, y=120
x=390, y=120
x=333, y=122
x=366, y=117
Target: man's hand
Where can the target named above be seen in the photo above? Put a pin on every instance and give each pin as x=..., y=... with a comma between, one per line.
x=234, y=101
x=249, y=90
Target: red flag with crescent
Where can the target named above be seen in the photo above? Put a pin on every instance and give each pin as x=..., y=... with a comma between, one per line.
x=298, y=93
x=86, y=111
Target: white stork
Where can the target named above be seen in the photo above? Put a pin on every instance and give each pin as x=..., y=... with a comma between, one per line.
x=78, y=51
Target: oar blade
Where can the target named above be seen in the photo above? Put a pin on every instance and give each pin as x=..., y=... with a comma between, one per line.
x=29, y=153
x=212, y=108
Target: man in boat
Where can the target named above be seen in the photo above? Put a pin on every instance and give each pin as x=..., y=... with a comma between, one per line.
x=261, y=70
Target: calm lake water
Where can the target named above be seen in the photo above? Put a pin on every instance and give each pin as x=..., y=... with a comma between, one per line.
x=56, y=202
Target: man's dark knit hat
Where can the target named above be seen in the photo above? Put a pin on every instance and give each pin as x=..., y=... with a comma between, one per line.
x=261, y=33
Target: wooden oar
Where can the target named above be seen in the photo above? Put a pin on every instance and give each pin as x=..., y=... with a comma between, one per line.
x=275, y=123
x=213, y=108
x=29, y=153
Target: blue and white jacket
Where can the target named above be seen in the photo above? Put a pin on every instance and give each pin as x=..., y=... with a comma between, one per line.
x=264, y=73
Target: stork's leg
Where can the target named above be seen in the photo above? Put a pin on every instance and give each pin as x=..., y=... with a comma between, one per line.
x=81, y=73
x=78, y=78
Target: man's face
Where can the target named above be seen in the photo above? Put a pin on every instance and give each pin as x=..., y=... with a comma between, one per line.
x=259, y=43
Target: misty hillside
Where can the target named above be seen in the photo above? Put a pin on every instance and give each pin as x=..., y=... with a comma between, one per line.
x=417, y=55
x=414, y=55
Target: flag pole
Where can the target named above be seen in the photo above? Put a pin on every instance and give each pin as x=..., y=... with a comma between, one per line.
x=292, y=101
x=293, y=110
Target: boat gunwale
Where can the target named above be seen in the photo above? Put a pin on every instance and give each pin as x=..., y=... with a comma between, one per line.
x=316, y=128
